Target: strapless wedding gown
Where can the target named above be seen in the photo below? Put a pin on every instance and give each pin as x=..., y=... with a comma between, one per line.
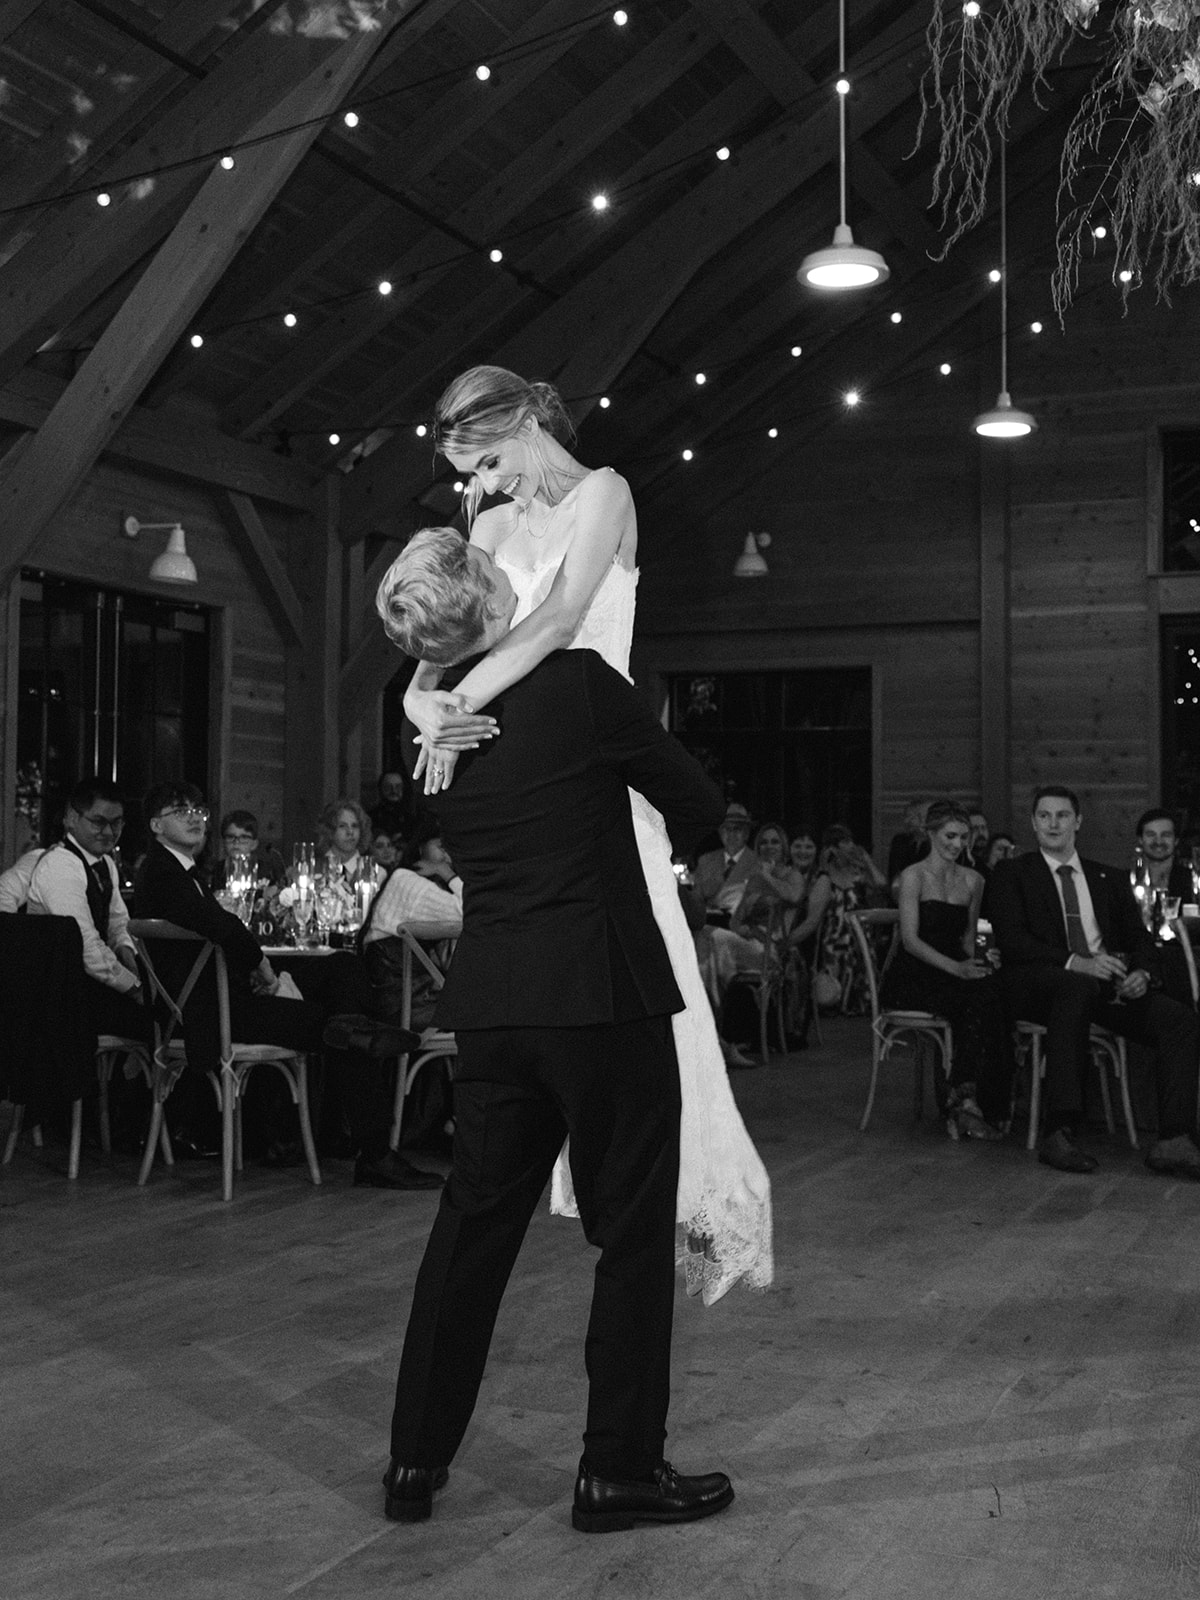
x=724, y=1203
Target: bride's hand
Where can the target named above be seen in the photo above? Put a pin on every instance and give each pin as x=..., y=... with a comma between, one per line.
x=442, y=719
x=438, y=765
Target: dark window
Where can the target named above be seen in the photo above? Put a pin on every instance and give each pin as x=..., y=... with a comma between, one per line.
x=1181, y=501
x=792, y=746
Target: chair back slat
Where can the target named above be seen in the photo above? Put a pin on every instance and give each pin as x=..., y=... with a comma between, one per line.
x=860, y=922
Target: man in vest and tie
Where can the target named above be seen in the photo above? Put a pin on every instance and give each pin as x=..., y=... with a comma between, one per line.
x=721, y=875
x=1074, y=952
x=78, y=878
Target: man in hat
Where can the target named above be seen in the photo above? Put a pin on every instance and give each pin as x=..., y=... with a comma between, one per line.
x=721, y=874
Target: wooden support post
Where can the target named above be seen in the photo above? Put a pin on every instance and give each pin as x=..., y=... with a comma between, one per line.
x=995, y=636
x=159, y=309
x=310, y=762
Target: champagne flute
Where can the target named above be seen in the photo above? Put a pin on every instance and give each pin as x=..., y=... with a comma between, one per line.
x=302, y=910
x=1118, y=999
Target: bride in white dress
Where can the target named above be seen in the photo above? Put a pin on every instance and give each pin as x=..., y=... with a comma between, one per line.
x=567, y=541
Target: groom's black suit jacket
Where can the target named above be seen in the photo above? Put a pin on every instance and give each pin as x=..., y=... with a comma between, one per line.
x=557, y=925
x=1027, y=914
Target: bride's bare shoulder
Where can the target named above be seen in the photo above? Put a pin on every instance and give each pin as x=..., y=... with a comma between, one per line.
x=493, y=526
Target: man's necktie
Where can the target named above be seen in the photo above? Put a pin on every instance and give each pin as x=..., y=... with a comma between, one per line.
x=729, y=866
x=1077, y=941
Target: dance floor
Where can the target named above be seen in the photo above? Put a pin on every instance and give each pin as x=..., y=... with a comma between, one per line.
x=975, y=1377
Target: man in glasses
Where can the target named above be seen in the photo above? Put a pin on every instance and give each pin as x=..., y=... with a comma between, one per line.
x=331, y=1016
x=78, y=878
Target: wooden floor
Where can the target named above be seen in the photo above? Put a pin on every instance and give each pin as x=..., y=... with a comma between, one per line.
x=976, y=1377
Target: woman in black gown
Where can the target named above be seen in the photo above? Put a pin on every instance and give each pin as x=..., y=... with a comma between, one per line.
x=936, y=969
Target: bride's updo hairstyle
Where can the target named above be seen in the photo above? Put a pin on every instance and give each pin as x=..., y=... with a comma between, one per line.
x=943, y=811
x=487, y=404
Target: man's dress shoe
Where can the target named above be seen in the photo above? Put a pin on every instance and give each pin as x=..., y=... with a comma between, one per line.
x=378, y=1040
x=391, y=1171
x=603, y=1505
x=409, y=1491
x=1059, y=1150
x=1176, y=1158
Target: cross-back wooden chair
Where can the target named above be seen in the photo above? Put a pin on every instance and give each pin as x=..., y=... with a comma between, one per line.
x=891, y=1025
x=236, y=1060
x=768, y=983
x=435, y=1043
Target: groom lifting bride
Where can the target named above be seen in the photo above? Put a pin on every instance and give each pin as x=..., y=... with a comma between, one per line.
x=561, y=996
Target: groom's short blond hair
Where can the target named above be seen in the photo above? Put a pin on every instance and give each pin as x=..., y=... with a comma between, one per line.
x=434, y=601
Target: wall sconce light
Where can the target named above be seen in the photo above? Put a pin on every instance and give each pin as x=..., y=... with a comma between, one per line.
x=750, y=564
x=174, y=565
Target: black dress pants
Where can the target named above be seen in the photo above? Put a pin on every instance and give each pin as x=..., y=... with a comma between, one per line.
x=1068, y=1003
x=518, y=1092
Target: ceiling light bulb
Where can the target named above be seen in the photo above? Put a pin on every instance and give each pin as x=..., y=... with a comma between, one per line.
x=384, y=287
x=897, y=317
x=994, y=275
x=944, y=369
x=495, y=255
x=686, y=454
x=1035, y=327
x=599, y=202
x=422, y=430
x=1099, y=231
x=701, y=378
x=723, y=153
x=1004, y=421
x=797, y=349
x=104, y=198
x=228, y=163
x=1125, y=275
x=852, y=397
x=289, y=319
x=842, y=86
x=605, y=402
x=620, y=18
x=459, y=486
x=351, y=119
x=483, y=73
x=772, y=433
x=843, y=264
x=971, y=9
x=196, y=340
x=335, y=438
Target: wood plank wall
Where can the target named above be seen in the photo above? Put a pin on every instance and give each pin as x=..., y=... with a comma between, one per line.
x=875, y=559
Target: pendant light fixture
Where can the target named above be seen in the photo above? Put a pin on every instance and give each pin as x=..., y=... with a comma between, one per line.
x=843, y=264
x=1004, y=420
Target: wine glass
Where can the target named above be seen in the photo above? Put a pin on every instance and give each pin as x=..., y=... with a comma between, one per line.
x=302, y=909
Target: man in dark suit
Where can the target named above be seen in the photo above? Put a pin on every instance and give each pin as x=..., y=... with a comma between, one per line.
x=1166, y=873
x=330, y=1019
x=721, y=875
x=1074, y=951
x=560, y=995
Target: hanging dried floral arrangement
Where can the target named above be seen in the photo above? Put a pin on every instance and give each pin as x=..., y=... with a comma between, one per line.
x=1131, y=156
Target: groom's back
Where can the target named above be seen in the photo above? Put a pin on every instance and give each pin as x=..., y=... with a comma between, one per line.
x=557, y=924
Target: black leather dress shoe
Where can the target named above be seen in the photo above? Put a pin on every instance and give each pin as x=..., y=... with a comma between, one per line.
x=391, y=1171
x=1059, y=1150
x=379, y=1040
x=606, y=1506
x=409, y=1491
x=1175, y=1158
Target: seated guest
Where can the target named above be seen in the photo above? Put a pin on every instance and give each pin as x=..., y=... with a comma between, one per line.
x=721, y=874
x=1159, y=845
x=847, y=879
x=419, y=897
x=911, y=843
x=385, y=850
x=240, y=844
x=803, y=852
x=772, y=882
x=15, y=881
x=343, y=839
x=393, y=813
x=331, y=1014
x=78, y=878
x=1075, y=951
x=936, y=969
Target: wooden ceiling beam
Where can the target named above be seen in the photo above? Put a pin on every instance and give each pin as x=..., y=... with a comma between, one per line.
x=166, y=441
x=764, y=54
x=271, y=581
x=83, y=247
x=762, y=176
x=428, y=143
x=93, y=406
x=13, y=13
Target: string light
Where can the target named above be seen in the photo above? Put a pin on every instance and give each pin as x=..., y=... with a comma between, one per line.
x=1194, y=178
x=483, y=73
x=797, y=349
x=686, y=454
x=459, y=486
x=1035, y=327
x=944, y=369
x=772, y=433
x=842, y=86
x=104, y=198
x=384, y=287
x=723, y=153
x=196, y=341
x=351, y=119
x=421, y=430
x=289, y=319
x=1099, y=231
x=496, y=256
x=994, y=275
x=897, y=317
x=335, y=438
x=701, y=379
x=620, y=18
x=971, y=9
x=599, y=202
x=1125, y=275
x=852, y=397
x=605, y=402
x=228, y=163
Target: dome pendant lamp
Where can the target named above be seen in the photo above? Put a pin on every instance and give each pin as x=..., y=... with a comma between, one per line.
x=843, y=264
x=1004, y=420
